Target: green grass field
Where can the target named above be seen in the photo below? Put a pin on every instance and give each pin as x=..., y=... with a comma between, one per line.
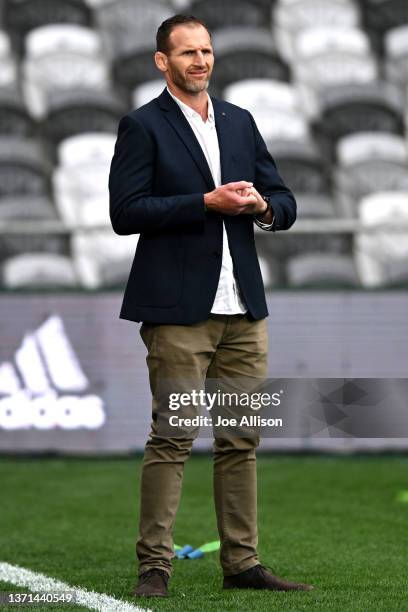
x=334, y=522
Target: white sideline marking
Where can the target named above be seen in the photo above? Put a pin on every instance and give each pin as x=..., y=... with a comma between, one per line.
x=41, y=583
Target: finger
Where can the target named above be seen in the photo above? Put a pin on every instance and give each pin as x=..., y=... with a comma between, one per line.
x=245, y=193
x=239, y=185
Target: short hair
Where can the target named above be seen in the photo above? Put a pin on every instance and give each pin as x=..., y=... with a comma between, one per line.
x=166, y=28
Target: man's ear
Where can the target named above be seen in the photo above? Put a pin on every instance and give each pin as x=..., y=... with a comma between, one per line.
x=161, y=61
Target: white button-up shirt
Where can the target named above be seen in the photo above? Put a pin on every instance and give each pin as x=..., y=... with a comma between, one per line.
x=228, y=299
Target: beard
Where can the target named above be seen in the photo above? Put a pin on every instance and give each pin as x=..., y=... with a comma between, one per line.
x=189, y=85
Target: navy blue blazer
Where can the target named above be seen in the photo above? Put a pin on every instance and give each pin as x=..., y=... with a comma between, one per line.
x=157, y=182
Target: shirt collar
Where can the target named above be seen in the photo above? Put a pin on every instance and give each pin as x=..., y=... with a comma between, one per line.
x=190, y=112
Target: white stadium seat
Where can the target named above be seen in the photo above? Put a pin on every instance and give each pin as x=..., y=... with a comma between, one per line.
x=88, y=148
x=290, y=18
x=331, y=56
x=369, y=163
x=38, y=270
x=396, y=61
x=81, y=181
x=328, y=57
x=102, y=258
x=62, y=57
x=382, y=256
x=147, y=91
x=273, y=104
x=8, y=67
x=321, y=269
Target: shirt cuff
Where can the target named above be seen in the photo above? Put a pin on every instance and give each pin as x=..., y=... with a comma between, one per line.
x=264, y=226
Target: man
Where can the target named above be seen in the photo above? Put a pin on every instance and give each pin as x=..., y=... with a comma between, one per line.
x=191, y=174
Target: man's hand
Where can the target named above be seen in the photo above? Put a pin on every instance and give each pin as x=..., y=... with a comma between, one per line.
x=232, y=199
x=261, y=207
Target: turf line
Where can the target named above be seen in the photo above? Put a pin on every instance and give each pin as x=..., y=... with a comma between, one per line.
x=37, y=582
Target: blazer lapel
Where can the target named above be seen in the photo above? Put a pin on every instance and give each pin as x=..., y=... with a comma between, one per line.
x=179, y=123
x=225, y=139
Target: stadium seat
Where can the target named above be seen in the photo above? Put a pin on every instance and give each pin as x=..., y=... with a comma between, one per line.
x=38, y=270
x=291, y=18
x=74, y=112
x=14, y=117
x=271, y=275
x=359, y=107
x=368, y=163
x=80, y=181
x=300, y=165
x=322, y=270
x=129, y=29
x=21, y=16
x=315, y=206
x=24, y=168
x=274, y=106
x=8, y=66
x=382, y=256
x=13, y=244
x=232, y=12
x=383, y=15
x=246, y=53
x=147, y=91
x=26, y=208
x=396, y=62
x=329, y=57
x=86, y=149
x=60, y=58
x=102, y=258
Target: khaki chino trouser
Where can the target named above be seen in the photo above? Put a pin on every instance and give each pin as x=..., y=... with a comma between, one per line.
x=224, y=346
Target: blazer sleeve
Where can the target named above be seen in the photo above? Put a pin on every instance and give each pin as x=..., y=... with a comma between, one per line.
x=132, y=207
x=269, y=183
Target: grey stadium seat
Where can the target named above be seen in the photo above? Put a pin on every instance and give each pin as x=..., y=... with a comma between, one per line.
x=315, y=206
x=232, y=12
x=78, y=111
x=24, y=168
x=246, y=53
x=19, y=244
x=21, y=16
x=14, y=117
x=360, y=107
x=325, y=270
x=129, y=29
x=300, y=165
x=37, y=271
x=289, y=245
x=369, y=163
x=28, y=207
x=383, y=15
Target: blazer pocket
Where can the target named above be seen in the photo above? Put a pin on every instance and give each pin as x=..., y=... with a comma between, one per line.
x=157, y=272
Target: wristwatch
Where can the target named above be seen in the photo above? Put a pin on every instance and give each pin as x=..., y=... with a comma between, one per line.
x=266, y=199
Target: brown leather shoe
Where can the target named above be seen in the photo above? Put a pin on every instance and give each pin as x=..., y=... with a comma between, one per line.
x=258, y=577
x=152, y=583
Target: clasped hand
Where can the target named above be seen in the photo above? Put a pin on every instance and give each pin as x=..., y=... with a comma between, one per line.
x=239, y=198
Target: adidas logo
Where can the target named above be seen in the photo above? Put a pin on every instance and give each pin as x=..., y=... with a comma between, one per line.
x=45, y=386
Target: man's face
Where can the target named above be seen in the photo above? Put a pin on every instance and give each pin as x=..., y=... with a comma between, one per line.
x=190, y=59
